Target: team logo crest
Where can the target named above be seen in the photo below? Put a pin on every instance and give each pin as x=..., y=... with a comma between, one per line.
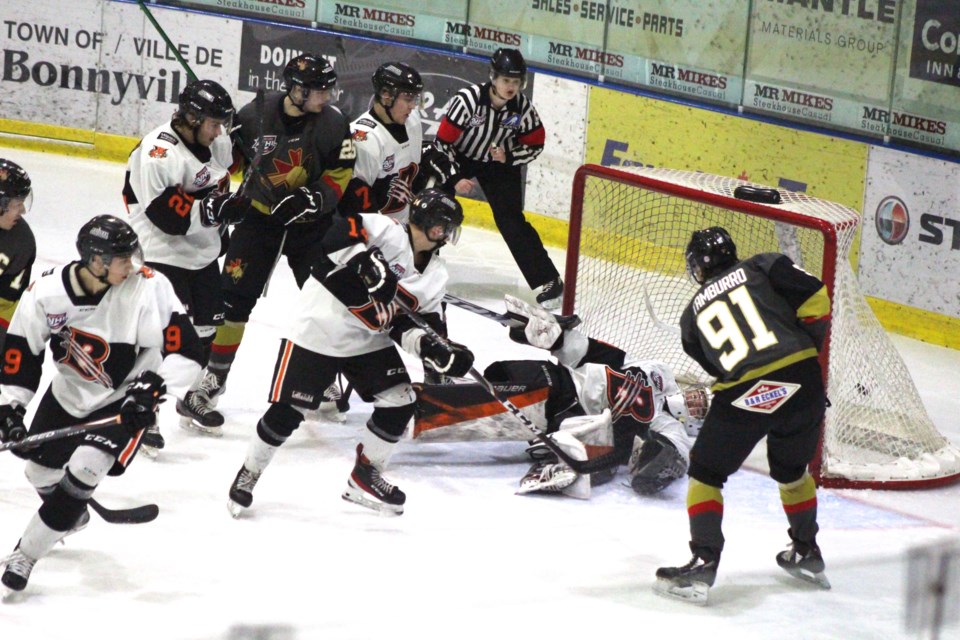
x=56, y=320
x=512, y=121
x=269, y=144
x=202, y=177
x=766, y=396
x=359, y=136
x=158, y=152
x=235, y=269
x=477, y=120
x=388, y=163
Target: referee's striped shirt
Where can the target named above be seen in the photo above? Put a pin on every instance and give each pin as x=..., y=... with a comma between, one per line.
x=471, y=125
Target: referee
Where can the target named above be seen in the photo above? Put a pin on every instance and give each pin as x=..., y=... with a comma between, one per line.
x=489, y=131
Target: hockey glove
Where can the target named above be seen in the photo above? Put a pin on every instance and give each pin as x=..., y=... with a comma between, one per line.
x=374, y=271
x=542, y=330
x=12, y=428
x=139, y=408
x=302, y=203
x=220, y=208
x=437, y=164
x=450, y=358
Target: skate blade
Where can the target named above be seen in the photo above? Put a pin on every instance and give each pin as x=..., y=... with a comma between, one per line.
x=360, y=497
x=187, y=423
x=693, y=593
x=235, y=508
x=11, y=596
x=150, y=452
x=816, y=579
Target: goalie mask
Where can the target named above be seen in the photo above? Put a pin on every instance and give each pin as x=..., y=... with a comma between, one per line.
x=14, y=187
x=709, y=251
x=689, y=407
x=434, y=208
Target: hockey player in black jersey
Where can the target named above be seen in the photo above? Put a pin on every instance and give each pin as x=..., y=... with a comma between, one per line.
x=757, y=326
x=17, y=244
x=120, y=339
x=307, y=161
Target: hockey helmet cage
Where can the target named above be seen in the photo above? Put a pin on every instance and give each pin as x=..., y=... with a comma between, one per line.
x=14, y=185
x=396, y=78
x=108, y=237
x=433, y=207
x=206, y=99
x=310, y=72
x=709, y=251
x=509, y=63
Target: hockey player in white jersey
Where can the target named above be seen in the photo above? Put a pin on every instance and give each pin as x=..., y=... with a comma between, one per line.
x=178, y=194
x=120, y=340
x=597, y=402
x=347, y=321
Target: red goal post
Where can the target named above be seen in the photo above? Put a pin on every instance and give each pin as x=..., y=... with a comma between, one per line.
x=626, y=278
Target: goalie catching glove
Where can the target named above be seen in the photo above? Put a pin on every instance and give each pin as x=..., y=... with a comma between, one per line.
x=449, y=358
x=220, y=208
x=302, y=203
x=374, y=271
x=139, y=408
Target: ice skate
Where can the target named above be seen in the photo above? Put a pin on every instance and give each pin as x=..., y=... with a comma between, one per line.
x=17, y=571
x=152, y=442
x=367, y=488
x=329, y=411
x=689, y=583
x=551, y=295
x=547, y=477
x=803, y=561
x=241, y=492
x=197, y=413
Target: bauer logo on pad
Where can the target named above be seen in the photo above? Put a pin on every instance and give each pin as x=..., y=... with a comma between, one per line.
x=766, y=396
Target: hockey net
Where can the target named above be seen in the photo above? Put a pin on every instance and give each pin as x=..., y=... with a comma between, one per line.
x=626, y=278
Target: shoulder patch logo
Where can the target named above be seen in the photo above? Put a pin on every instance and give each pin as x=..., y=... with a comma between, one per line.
x=269, y=144
x=367, y=122
x=158, y=152
x=168, y=137
x=512, y=121
x=388, y=163
x=56, y=320
x=359, y=136
x=477, y=119
x=202, y=177
x=766, y=396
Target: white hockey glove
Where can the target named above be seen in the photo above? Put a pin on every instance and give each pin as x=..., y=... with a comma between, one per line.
x=542, y=329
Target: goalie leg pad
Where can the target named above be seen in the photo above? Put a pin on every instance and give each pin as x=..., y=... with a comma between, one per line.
x=655, y=464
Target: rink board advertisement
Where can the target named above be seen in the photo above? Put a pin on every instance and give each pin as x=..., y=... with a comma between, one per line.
x=101, y=66
x=910, y=246
x=821, y=62
x=663, y=134
x=427, y=20
x=285, y=10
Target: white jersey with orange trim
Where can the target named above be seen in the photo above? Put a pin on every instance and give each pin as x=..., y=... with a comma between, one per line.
x=326, y=326
x=98, y=343
x=166, y=179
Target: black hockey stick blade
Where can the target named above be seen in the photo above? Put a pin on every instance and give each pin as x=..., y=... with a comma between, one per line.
x=510, y=320
x=134, y=515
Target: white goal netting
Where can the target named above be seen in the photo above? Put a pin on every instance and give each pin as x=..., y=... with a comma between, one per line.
x=627, y=276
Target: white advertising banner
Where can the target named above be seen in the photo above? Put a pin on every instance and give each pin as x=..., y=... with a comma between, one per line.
x=910, y=250
x=93, y=64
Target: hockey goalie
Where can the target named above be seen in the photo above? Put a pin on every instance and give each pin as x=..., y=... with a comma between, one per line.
x=591, y=399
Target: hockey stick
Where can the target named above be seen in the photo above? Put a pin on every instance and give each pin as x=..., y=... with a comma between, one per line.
x=191, y=76
x=134, y=515
x=254, y=167
x=656, y=321
x=580, y=466
x=510, y=320
x=59, y=434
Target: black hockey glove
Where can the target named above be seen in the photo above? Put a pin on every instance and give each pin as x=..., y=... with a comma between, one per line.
x=12, y=428
x=452, y=359
x=220, y=208
x=374, y=271
x=139, y=408
x=302, y=203
x=437, y=164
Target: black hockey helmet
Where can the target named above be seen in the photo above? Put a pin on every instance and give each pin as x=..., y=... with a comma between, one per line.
x=396, y=78
x=433, y=207
x=108, y=237
x=312, y=72
x=206, y=99
x=14, y=185
x=509, y=63
x=709, y=251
